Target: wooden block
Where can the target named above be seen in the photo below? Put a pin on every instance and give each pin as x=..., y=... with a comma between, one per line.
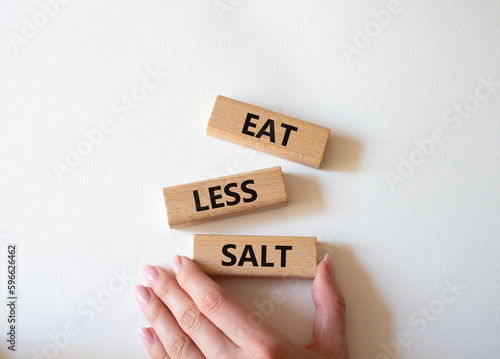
x=268, y=131
x=268, y=256
x=225, y=197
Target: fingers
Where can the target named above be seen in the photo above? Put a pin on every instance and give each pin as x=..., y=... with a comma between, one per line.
x=207, y=337
x=152, y=344
x=176, y=343
x=330, y=318
x=234, y=320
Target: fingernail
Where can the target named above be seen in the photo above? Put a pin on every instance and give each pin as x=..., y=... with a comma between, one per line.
x=176, y=264
x=150, y=274
x=146, y=336
x=142, y=295
x=329, y=265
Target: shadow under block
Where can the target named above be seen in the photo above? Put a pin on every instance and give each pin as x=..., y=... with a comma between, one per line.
x=267, y=256
x=225, y=197
x=268, y=131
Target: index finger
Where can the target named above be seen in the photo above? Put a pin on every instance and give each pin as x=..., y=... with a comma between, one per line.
x=234, y=320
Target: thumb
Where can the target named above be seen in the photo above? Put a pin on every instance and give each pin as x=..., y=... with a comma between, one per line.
x=330, y=318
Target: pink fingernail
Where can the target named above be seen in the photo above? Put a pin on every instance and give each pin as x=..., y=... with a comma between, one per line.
x=142, y=295
x=146, y=336
x=176, y=264
x=150, y=274
x=329, y=265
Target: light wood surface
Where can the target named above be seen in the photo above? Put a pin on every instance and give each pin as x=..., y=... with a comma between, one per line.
x=268, y=131
x=268, y=256
x=224, y=197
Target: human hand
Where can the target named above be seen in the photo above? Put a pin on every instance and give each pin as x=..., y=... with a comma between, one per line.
x=193, y=317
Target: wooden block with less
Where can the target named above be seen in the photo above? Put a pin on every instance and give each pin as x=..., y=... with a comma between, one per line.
x=224, y=197
x=268, y=131
x=266, y=256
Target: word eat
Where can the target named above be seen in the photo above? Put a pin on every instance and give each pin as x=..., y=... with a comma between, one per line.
x=267, y=129
x=248, y=255
x=215, y=197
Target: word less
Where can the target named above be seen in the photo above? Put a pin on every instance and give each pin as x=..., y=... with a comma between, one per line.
x=224, y=197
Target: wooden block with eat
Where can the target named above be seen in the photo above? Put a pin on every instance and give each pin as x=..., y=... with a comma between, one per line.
x=267, y=256
x=224, y=197
x=268, y=131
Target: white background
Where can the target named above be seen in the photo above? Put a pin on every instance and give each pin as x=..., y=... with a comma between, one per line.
x=394, y=249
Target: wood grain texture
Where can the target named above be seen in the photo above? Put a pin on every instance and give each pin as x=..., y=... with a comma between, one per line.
x=294, y=139
x=243, y=255
x=225, y=197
